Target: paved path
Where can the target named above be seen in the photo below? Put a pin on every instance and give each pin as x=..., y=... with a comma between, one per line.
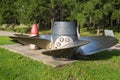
x=37, y=55
x=5, y=33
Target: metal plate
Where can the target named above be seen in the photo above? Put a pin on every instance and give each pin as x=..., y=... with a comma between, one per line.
x=61, y=41
x=42, y=43
x=97, y=44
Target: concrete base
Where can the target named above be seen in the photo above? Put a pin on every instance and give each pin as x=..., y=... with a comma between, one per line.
x=116, y=47
x=37, y=55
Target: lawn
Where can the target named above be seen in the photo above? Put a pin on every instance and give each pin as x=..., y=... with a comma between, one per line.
x=101, y=66
x=5, y=40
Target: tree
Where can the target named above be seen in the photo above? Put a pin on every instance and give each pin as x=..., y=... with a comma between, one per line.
x=116, y=16
x=8, y=12
x=97, y=19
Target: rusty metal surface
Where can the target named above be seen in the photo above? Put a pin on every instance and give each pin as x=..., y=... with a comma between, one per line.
x=42, y=43
x=21, y=35
x=67, y=51
x=97, y=44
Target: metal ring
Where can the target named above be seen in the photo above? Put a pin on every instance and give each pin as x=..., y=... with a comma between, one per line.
x=61, y=39
x=67, y=39
x=58, y=44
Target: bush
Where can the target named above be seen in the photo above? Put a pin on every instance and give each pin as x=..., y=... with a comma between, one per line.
x=22, y=30
x=3, y=27
x=16, y=28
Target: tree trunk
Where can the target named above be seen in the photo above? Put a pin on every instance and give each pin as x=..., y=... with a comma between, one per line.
x=98, y=30
x=78, y=26
x=15, y=21
x=39, y=24
x=52, y=22
x=103, y=25
x=111, y=22
x=62, y=14
x=90, y=21
x=103, y=29
x=46, y=23
x=118, y=22
x=94, y=28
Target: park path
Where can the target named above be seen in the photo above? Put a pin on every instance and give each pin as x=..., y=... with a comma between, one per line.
x=6, y=33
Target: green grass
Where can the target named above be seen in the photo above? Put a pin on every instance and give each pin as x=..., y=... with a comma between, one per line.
x=117, y=35
x=102, y=66
x=45, y=31
x=5, y=40
x=84, y=32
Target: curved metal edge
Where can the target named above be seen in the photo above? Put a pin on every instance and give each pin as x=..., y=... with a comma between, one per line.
x=42, y=43
x=97, y=44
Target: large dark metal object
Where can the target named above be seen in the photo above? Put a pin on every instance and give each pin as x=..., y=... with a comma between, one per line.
x=64, y=41
x=64, y=29
x=96, y=44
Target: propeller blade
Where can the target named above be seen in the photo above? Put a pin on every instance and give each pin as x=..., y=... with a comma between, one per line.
x=21, y=35
x=97, y=44
x=42, y=43
x=67, y=50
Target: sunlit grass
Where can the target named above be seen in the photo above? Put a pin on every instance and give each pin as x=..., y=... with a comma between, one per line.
x=45, y=31
x=102, y=66
x=5, y=40
x=117, y=35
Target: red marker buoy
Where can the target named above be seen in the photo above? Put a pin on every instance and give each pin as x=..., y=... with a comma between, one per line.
x=34, y=30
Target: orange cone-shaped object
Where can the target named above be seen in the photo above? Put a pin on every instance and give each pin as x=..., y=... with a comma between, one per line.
x=34, y=30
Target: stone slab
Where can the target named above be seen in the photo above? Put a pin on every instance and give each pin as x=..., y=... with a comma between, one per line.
x=37, y=55
x=109, y=33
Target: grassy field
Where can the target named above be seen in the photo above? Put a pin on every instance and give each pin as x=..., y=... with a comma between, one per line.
x=101, y=66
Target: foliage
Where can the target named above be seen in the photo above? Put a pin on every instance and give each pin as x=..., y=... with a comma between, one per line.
x=116, y=14
x=87, y=13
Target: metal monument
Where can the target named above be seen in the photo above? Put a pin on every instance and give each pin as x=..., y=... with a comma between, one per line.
x=64, y=41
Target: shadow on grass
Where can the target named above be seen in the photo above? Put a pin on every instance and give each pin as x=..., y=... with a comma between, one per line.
x=104, y=55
